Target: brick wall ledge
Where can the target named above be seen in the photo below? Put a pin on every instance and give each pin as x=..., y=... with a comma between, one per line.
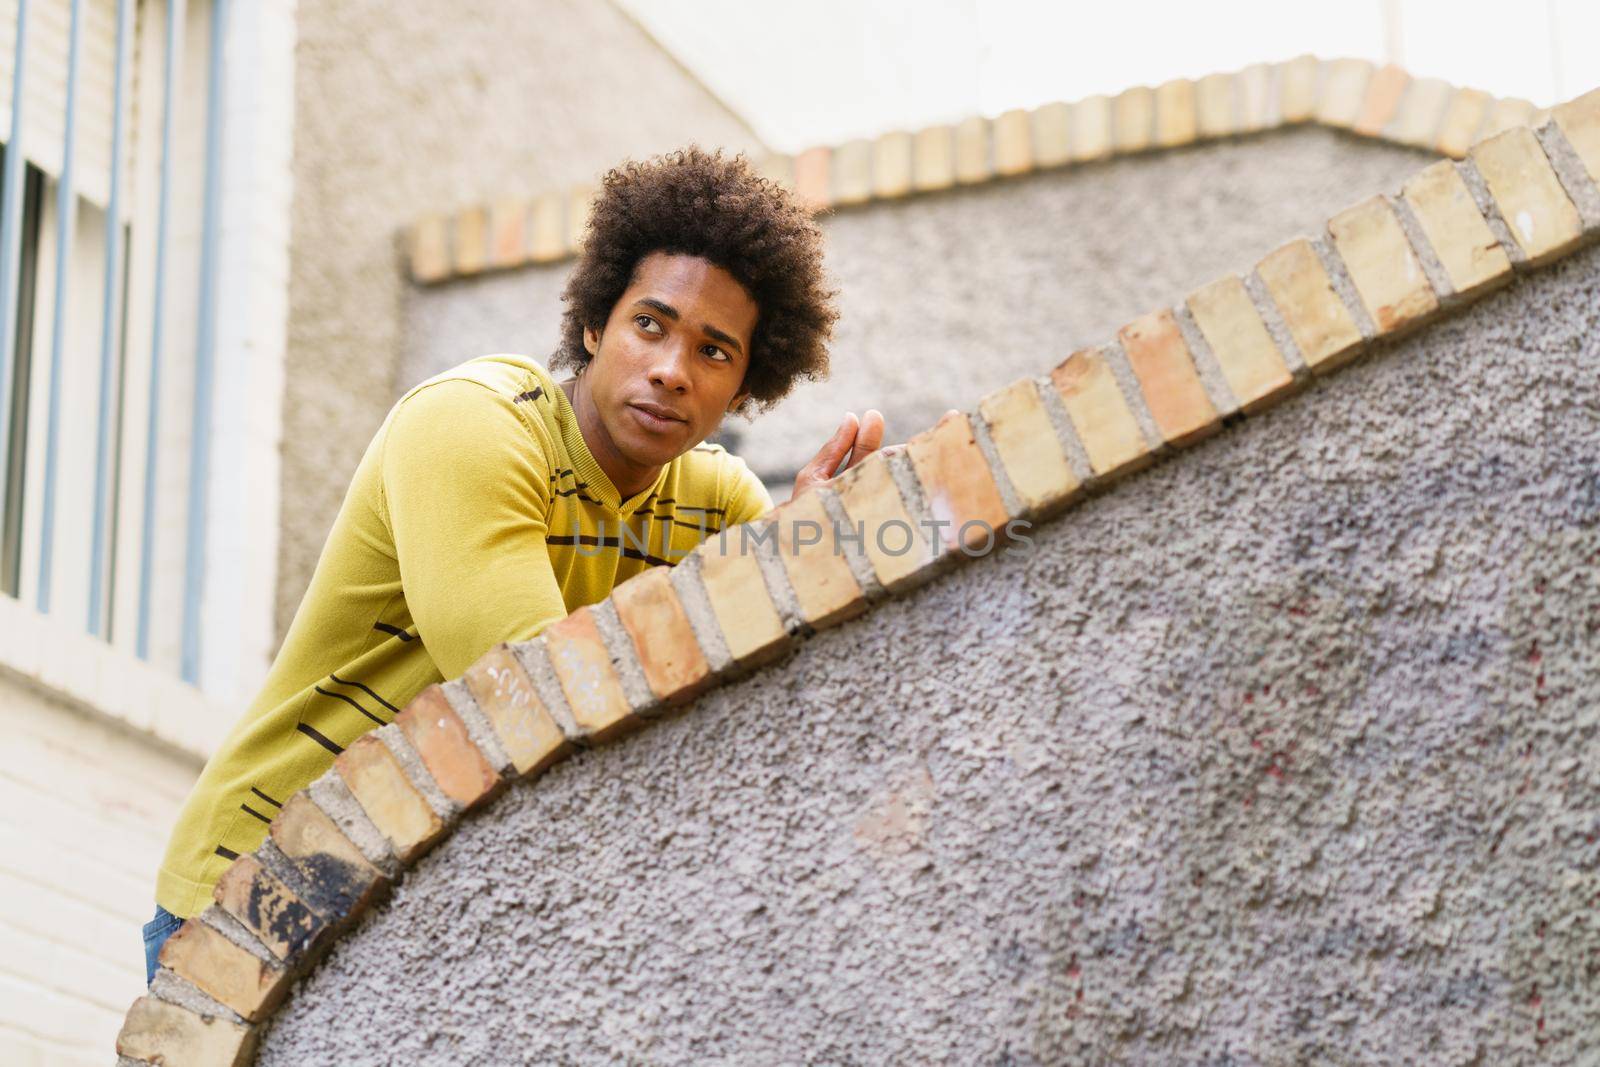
x=1353, y=95
x=82, y=672
x=1170, y=378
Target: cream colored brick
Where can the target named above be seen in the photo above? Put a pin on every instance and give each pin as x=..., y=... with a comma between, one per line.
x=1317, y=319
x=973, y=163
x=1214, y=100
x=1176, y=119
x=744, y=610
x=588, y=680
x=933, y=158
x=1105, y=425
x=1387, y=274
x=1254, y=88
x=1091, y=128
x=1052, y=135
x=1251, y=363
x=824, y=586
x=898, y=550
x=1026, y=441
x=1297, y=88
x=1013, y=143
x=1133, y=117
x=379, y=784
x=547, y=239
x=1344, y=90
x=157, y=1032
x=1529, y=195
x=1505, y=114
x=227, y=973
x=1381, y=100
x=812, y=184
x=1465, y=246
x=1421, y=112
x=1462, y=117
x=1580, y=123
x=891, y=165
x=852, y=172
x=430, y=249
x=506, y=695
x=471, y=241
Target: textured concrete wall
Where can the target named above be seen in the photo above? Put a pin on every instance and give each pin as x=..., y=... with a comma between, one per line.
x=407, y=109
x=1286, y=750
x=946, y=297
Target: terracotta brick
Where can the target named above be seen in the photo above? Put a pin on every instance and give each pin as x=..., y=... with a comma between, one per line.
x=508, y=226
x=1580, y=122
x=1026, y=441
x=1505, y=114
x=379, y=784
x=1013, y=143
x=1317, y=319
x=266, y=907
x=1382, y=100
x=1344, y=90
x=1465, y=246
x=227, y=973
x=430, y=249
x=933, y=158
x=447, y=750
x=1133, y=117
x=338, y=878
x=891, y=165
x=1421, y=112
x=1297, y=88
x=851, y=172
x=778, y=167
x=973, y=163
x=1251, y=363
x=744, y=610
x=506, y=695
x=812, y=170
x=1214, y=96
x=958, y=486
x=157, y=1032
x=1177, y=121
x=580, y=202
x=472, y=241
x=1387, y=274
x=547, y=239
x=823, y=583
x=892, y=542
x=1254, y=87
x=1529, y=195
x=1168, y=379
x=1110, y=435
x=669, y=653
x=1462, y=117
x=1091, y=128
x=1052, y=135
x=589, y=681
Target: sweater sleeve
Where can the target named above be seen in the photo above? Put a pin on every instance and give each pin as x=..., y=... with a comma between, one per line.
x=467, y=495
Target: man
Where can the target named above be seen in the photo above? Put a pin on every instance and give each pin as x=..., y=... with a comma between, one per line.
x=494, y=500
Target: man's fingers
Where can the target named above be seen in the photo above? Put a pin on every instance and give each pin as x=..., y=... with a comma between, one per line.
x=828, y=458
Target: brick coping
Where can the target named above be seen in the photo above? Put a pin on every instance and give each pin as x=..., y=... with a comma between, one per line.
x=1354, y=95
x=1384, y=267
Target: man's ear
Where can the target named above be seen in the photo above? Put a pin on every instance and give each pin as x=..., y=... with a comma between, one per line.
x=591, y=340
x=737, y=400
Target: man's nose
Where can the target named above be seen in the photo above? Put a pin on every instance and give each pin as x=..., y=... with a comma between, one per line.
x=671, y=366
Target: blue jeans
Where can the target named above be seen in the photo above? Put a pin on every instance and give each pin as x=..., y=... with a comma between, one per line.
x=156, y=932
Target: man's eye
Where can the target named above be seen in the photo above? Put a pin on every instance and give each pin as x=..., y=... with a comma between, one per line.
x=646, y=323
x=714, y=350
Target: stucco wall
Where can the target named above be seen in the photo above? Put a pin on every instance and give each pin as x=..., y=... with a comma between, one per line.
x=406, y=109
x=1283, y=751
x=949, y=296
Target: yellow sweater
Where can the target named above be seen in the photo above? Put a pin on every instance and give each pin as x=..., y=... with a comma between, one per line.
x=477, y=515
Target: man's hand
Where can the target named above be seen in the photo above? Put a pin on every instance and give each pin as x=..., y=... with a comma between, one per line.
x=856, y=438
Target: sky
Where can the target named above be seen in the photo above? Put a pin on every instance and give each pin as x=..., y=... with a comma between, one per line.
x=826, y=71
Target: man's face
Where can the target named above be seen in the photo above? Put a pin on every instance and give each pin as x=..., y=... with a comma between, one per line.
x=672, y=357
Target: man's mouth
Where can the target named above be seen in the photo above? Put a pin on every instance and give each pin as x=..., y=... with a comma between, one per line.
x=656, y=418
